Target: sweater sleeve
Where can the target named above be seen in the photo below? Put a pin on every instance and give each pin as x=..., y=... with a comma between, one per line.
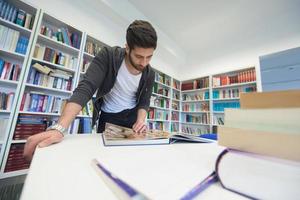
x=92, y=79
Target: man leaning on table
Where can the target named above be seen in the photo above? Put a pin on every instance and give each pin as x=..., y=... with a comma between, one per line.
x=124, y=80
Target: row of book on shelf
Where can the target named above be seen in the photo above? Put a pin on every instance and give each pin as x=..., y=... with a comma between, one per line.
x=15, y=160
x=162, y=78
x=195, y=84
x=15, y=15
x=12, y=40
x=175, y=116
x=194, y=130
x=220, y=106
x=232, y=92
x=92, y=48
x=176, y=84
x=9, y=71
x=81, y=125
x=175, y=105
x=62, y=35
x=6, y=100
x=159, y=102
x=176, y=95
x=155, y=114
x=40, y=102
x=201, y=118
x=85, y=64
x=54, y=78
x=218, y=119
x=48, y=54
x=157, y=125
x=240, y=77
x=159, y=89
x=28, y=125
x=199, y=106
x=198, y=96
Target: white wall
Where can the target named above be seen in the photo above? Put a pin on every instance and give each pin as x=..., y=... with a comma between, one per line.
x=108, y=21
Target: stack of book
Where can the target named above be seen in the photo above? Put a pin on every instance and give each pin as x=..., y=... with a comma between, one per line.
x=263, y=141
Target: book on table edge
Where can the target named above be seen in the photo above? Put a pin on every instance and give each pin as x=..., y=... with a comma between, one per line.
x=173, y=138
x=115, y=135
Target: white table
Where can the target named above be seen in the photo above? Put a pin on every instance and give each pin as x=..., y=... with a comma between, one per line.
x=64, y=171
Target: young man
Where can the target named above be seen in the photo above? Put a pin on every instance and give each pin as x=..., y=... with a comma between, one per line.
x=123, y=79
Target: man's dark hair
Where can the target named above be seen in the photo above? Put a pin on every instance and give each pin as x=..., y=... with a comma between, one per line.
x=141, y=33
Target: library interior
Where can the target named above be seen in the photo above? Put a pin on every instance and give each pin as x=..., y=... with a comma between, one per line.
x=113, y=99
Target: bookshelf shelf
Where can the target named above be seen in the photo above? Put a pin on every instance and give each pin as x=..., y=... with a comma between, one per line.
x=193, y=123
x=21, y=29
x=195, y=111
x=40, y=113
x=14, y=173
x=67, y=69
x=235, y=85
x=160, y=108
x=195, y=90
x=8, y=83
x=18, y=141
x=218, y=112
x=159, y=120
x=176, y=89
x=56, y=44
x=194, y=101
x=227, y=99
x=11, y=54
x=162, y=84
x=88, y=55
x=160, y=95
x=5, y=111
x=45, y=89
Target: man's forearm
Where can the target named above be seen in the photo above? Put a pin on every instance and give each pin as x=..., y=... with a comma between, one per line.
x=141, y=116
x=69, y=113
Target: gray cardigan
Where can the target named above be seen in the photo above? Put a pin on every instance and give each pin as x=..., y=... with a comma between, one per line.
x=102, y=74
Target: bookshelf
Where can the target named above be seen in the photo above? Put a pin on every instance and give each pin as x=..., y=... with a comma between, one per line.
x=175, y=106
x=226, y=89
x=160, y=103
x=49, y=77
x=195, y=109
x=18, y=21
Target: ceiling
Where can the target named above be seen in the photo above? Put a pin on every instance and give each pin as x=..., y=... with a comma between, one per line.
x=211, y=29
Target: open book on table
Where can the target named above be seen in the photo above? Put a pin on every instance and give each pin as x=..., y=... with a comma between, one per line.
x=115, y=135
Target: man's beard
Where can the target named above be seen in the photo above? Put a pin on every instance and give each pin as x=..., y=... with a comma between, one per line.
x=140, y=68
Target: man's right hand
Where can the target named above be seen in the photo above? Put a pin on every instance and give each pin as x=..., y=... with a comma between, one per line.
x=42, y=139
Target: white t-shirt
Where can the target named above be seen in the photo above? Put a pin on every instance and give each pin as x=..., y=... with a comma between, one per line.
x=123, y=94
